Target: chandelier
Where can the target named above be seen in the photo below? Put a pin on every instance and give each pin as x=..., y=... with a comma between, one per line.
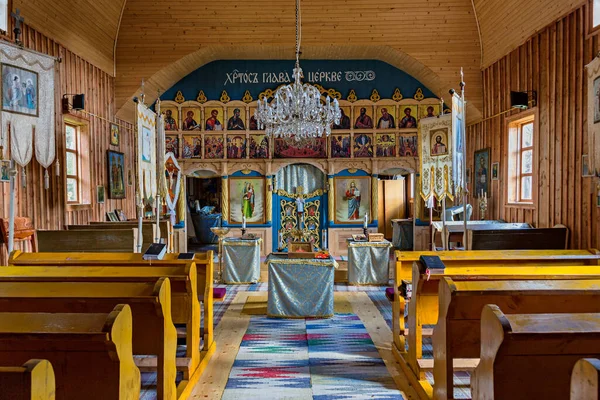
x=296, y=109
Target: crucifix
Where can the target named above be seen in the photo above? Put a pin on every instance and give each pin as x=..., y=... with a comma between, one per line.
x=18, y=20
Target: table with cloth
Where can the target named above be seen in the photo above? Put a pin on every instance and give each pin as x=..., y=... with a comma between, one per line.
x=300, y=287
x=368, y=262
x=242, y=260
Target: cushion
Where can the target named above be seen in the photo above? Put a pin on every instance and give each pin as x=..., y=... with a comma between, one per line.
x=219, y=293
x=389, y=293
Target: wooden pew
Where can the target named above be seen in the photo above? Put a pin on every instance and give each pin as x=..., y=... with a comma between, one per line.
x=90, y=353
x=185, y=307
x=153, y=329
x=203, y=261
x=519, y=239
x=423, y=307
x=114, y=240
x=148, y=230
x=585, y=380
x=531, y=356
x=32, y=381
x=456, y=334
x=475, y=259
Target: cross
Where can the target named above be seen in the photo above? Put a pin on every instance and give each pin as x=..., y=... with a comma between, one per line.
x=18, y=20
x=462, y=79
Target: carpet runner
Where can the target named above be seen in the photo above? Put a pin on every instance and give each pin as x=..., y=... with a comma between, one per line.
x=309, y=359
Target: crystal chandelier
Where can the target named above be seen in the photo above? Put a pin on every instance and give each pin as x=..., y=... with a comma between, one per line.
x=296, y=109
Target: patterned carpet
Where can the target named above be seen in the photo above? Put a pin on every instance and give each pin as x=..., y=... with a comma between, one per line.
x=309, y=359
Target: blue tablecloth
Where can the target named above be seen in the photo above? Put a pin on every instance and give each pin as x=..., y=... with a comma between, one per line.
x=241, y=260
x=368, y=262
x=300, y=288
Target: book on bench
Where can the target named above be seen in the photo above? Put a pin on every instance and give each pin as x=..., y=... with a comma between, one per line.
x=156, y=251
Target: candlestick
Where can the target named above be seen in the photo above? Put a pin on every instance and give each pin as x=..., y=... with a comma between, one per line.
x=243, y=222
x=366, y=221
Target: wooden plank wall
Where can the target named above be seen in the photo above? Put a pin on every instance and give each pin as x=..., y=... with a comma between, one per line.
x=47, y=207
x=551, y=63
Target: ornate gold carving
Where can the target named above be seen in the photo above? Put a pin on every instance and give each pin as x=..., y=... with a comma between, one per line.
x=179, y=97
x=331, y=199
x=352, y=170
x=225, y=198
x=246, y=171
x=267, y=93
x=397, y=96
x=352, y=96
x=419, y=94
x=201, y=97
x=375, y=97
x=247, y=97
x=374, y=198
x=268, y=201
x=283, y=193
x=224, y=97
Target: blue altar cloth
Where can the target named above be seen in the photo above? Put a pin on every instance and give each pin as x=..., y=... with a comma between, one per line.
x=242, y=260
x=300, y=288
x=368, y=262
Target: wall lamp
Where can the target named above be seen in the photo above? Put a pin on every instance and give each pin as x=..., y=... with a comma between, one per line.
x=77, y=104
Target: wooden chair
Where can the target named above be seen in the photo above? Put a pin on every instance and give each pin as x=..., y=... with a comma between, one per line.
x=90, y=353
x=457, y=332
x=585, y=380
x=531, y=356
x=153, y=329
x=24, y=231
x=32, y=381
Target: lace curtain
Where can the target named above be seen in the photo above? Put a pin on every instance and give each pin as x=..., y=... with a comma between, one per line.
x=308, y=176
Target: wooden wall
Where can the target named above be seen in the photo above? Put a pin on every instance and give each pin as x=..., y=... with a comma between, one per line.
x=47, y=207
x=551, y=63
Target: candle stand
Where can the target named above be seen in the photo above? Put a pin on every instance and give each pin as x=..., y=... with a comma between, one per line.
x=221, y=233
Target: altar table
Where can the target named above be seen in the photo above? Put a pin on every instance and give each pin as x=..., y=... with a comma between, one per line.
x=300, y=288
x=242, y=260
x=368, y=262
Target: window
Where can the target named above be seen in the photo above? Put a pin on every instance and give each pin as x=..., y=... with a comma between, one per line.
x=594, y=14
x=77, y=164
x=521, y=160
x=4, y=15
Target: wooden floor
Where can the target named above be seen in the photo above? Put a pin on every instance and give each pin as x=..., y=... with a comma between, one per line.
x=233, y=325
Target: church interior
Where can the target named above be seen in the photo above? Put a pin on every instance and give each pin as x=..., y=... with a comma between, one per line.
x=299, y=199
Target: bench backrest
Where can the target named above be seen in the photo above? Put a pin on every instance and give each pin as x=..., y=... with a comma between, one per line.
x=518, y=239
x=585, y=380
x=34, y=380
x=115, y=240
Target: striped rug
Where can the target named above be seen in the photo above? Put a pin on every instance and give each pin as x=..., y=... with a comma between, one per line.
x=309, y=359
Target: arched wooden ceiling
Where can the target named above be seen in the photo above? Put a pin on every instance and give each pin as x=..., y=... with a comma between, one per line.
x=163, y=41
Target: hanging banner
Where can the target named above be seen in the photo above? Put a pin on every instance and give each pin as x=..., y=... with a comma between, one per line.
x=28, y=104
x=458, y=154
x=146, y=152
x=172, y=176
x=436, y=157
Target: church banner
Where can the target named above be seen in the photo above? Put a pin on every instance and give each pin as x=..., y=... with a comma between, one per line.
x=436, y=157
x=146, y=152
x=458, y=154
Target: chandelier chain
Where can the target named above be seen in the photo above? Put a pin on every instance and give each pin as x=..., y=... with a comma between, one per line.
x=298, y=33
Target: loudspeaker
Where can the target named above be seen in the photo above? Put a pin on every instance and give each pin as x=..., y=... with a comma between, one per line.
x=79, y=102
x=519, y=100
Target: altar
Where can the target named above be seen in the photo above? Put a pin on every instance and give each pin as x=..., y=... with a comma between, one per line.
x=242, y=260
x=368, y=262
x=300, y=288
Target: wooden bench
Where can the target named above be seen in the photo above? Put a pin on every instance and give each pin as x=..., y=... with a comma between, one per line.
x=457, y=332
x=473, y=260
x=424, y=304
x=203, y=261
x=185, y=307
x=531, y=356
x=90, y=353
x=114, y=240
x=519, y=239
x=153, y=329
x=585, y=380
x=32, y=381
x=148, y=230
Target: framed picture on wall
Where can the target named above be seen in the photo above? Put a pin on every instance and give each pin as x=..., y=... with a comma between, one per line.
x=116, y=174
x=19, y=90
x=352, y=199
x=114, y=134
x=247, y=198
x=4, y=168
x=100, y=194
x=482, y=172
x=495, y=171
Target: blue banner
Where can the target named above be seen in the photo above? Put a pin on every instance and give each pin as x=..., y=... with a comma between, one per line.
x=256, y=76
